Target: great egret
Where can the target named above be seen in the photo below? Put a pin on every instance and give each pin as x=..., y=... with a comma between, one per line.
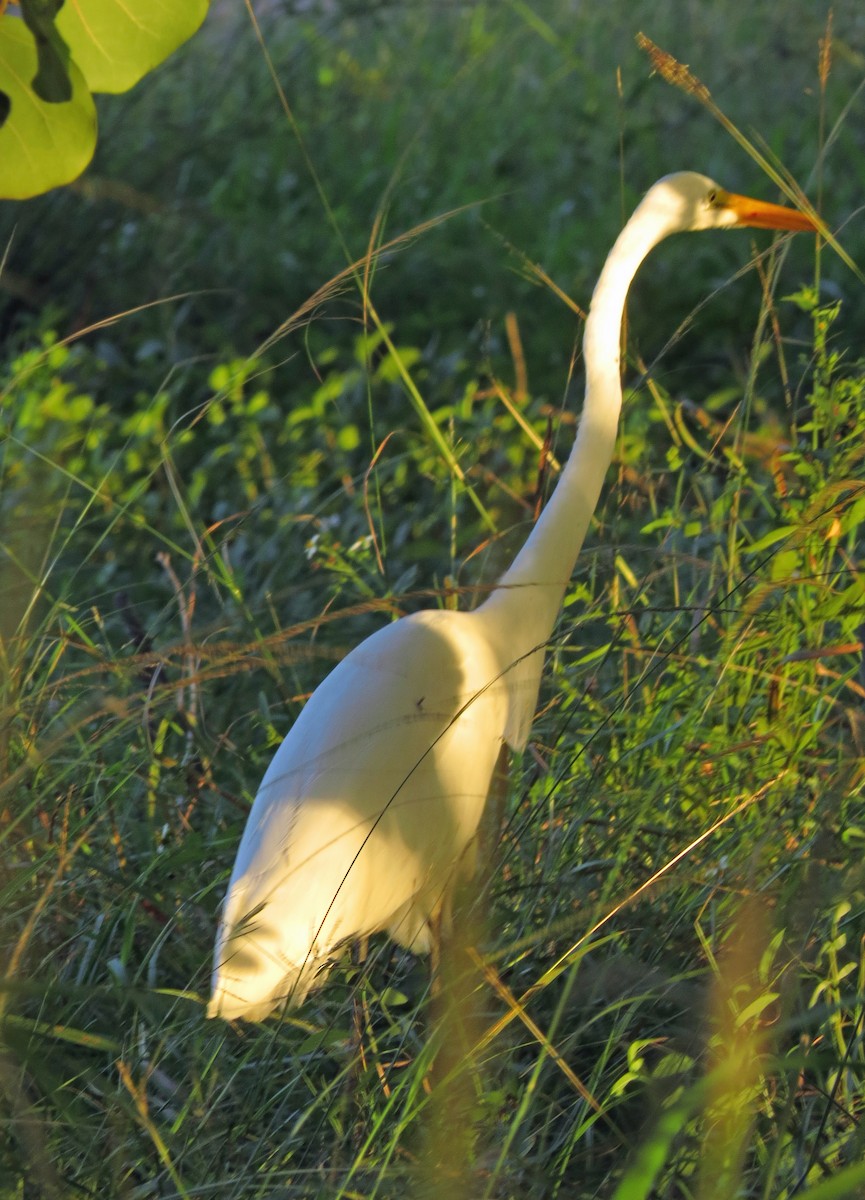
x=369, y=810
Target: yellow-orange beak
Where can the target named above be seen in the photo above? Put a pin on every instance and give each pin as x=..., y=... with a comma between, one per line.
x=766, y=216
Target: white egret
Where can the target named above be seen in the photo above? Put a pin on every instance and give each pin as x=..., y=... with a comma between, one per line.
x=370, y=808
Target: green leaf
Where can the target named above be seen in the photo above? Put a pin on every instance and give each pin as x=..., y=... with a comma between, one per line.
x=42, y=145
x=755, y=1008
x=770, y=539
x=116, y=42
x=63, y=1033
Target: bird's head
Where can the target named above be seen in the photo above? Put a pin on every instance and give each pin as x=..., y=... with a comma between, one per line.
x=688, y=201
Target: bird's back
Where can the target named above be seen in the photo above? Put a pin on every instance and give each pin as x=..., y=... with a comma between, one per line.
x=365, y=811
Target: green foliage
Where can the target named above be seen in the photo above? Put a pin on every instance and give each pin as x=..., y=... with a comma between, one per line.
x=26, y=114
x=54, y=56
x=197, y=517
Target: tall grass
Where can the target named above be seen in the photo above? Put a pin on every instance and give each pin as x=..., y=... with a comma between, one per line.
x=657, y=987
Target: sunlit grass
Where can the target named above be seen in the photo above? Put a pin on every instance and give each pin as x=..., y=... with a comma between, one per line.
x=658, y=987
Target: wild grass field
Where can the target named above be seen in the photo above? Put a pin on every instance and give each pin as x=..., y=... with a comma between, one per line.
x=225, y=458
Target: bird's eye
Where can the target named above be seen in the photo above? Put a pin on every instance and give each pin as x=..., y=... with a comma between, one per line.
x=712, y=198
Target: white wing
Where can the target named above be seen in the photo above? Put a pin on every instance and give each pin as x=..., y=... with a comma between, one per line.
x=366, y=810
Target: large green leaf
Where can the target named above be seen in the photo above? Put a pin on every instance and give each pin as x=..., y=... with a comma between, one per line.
x=116, y=42
x=42, y=145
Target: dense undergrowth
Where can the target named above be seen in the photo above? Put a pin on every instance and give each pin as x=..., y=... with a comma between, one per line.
x=662, y=993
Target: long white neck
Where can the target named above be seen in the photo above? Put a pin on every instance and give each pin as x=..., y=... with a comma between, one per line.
x=545, y=562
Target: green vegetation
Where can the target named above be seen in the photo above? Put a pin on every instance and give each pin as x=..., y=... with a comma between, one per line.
x=207, y=500
x=53, y=55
